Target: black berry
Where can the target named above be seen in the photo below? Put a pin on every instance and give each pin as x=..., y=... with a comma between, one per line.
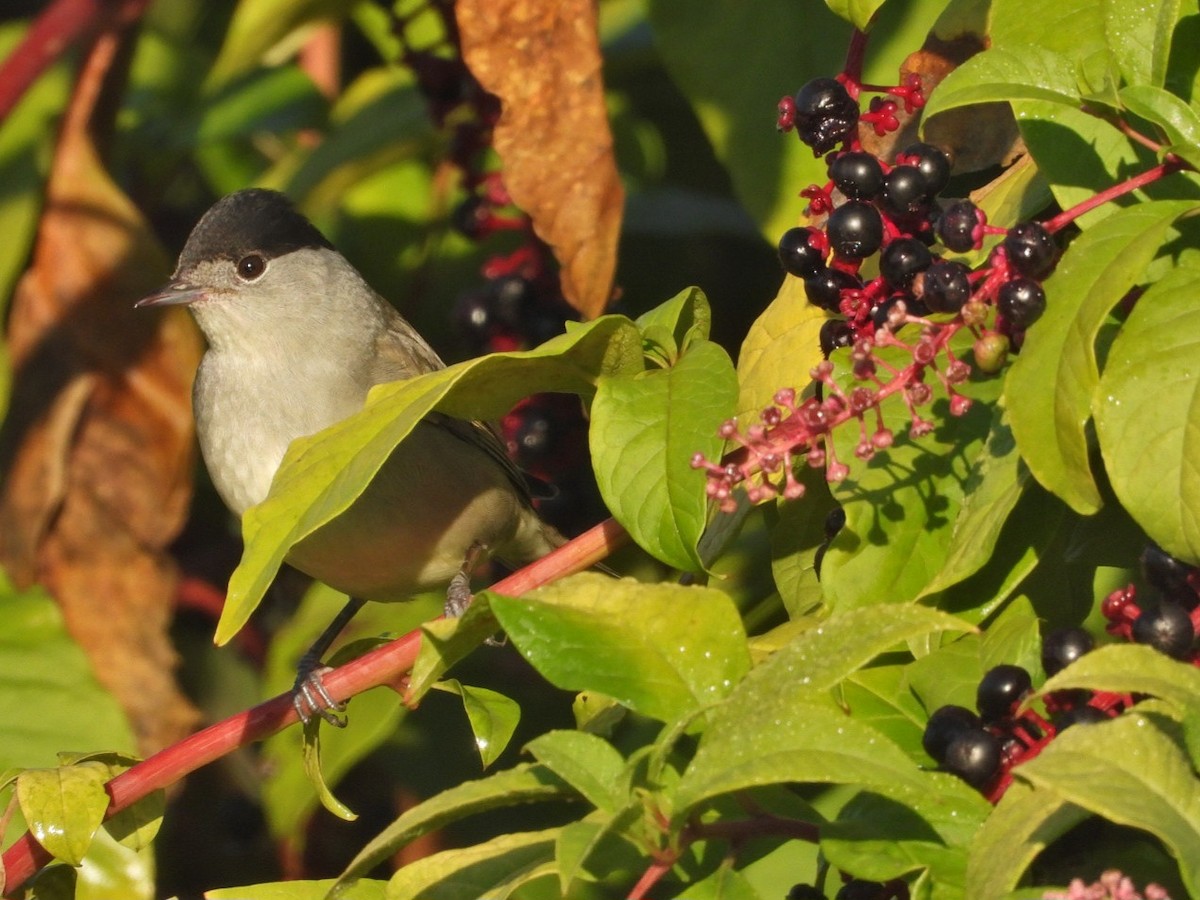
x=805, y=892
x=1167, y=628
x=798, y=253
x=902, y=259
x=858, y=175
x=835, y=521
x=974, y=756
x=1078, y=715
x=904, y=191
x=825, y=114
x=854, y=229
x=879, y=314
x=960, y=226
x=513, y=297
x=834, y=334
x=1000, y=689
x=857, y=889
x=946, y=723
x=825, y=288
x=1168, y=575
x=1062, y=647
x=1021, y=301
x=933, y=164
x=945, y=286
x=1030, y=249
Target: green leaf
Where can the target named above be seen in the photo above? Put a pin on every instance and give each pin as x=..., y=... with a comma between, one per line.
x=493, y=717
x=525, y=783
x=482, y=870
x=1073, y=28
x=994, y=485
x=316, y=775
x=673, y=325
x=64, y=807
x=589, y=764
x=1013, y=638
x=1032, y=73
x=322, y=474
x=726, y=883
x=267, y=30
x=645, y=430
x=1139, y=36
x=665, y=651
x=781, y=348
x=1024, y=822
x=1150, y=448
x=797, y=539
x=445, y=641
x=366, y=889
x=880, y=697
x=948, y=675
x=777, y=737
x=1132, y=669
x=857, y=12
x=1178, y=120
x=1147, y=780
x=1049, y=389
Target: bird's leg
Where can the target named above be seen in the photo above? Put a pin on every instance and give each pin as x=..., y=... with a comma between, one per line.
x=308, y=694
x=458, y=594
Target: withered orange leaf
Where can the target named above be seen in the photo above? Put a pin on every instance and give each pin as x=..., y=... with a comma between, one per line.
x=542, y=59
x=96, y=455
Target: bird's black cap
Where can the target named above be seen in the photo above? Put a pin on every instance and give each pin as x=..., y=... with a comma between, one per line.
x=250, y=221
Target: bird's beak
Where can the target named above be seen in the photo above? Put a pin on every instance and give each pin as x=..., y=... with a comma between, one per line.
x=173, y=294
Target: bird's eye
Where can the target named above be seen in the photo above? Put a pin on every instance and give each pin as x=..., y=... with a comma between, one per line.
x=251, y=266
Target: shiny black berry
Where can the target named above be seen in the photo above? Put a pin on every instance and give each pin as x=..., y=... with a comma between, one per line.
x=974, y=756
x=854, y=229
x=805, y=892
x=798, y=253
x=933, y=164
x=999, y=691
x=835, y=521
x=858, y=889
x=1021, y=301
x=902, y=259
x=946, y=723
x=1167, y=628
x=960, y=226
x=879, y=313
x=825, y=114
x=825, y=288
x=834, y=334
x=1078, y=715
x=904, y=191
x=1168, y=575
x=858, y=175
x=1062, y=647
x=1030, y=249
x=945, y=286
x=512, y=298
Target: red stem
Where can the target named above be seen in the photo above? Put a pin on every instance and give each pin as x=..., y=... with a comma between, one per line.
x=1169, y=166
x=386, y=665
x=60, y=26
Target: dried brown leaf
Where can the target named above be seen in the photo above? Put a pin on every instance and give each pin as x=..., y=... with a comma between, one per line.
x=96, y=454
x=542, y=59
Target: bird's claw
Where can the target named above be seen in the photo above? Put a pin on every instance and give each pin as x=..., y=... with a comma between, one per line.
x=310, y=698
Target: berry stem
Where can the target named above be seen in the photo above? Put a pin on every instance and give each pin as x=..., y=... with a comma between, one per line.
x=1168, y=166
x=852, y=70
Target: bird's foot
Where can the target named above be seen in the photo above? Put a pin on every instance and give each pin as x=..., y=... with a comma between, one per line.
x=310, y=697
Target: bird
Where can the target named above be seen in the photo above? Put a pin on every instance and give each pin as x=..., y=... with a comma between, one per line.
x=295, y=339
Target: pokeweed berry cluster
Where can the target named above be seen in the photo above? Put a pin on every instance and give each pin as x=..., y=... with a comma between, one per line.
x=982, y=746
x=890, y=210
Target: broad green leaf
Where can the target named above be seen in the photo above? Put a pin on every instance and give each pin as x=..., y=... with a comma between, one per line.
x=1049, y=389
x=673, y=325
x=278, y=99
x=599, y=847
x=901, y=506
x=665, y=651
x=735, y=103
x=136, y=826
x=948, y=675
x=1032, y=73
x=1023, y=823
x=589, y=764
x=880, y=697
x=1147, y=780
x=798, y=539
x=1139, y=35
x=64, y=807
x=1132, y=669
x=646, y=427
x=445, y=641
x=1178, y=120
x=525, y=783
x=1072, y=28
x=365, y=889
x=780, y=350
x=266, y=31
x=483, y=870
x=1150, y=448
x=857, y=12
x=995, y=484
x=726, y=883
x=493, y=717
x=778, y=737
x=879, y=839
x=1013, y=638
x=819, y=658
x=322, y=474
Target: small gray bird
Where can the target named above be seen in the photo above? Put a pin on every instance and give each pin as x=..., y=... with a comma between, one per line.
x=296, y=338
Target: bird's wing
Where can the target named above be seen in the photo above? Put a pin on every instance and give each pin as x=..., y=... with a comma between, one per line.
x=401, y=353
